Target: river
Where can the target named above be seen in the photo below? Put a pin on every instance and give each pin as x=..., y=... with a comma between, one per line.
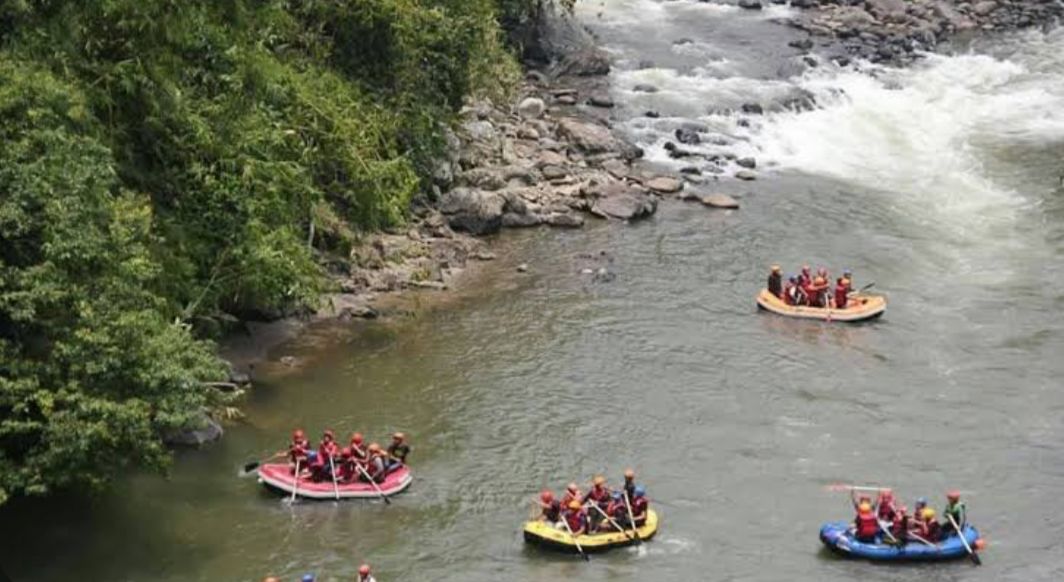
x=942, y=184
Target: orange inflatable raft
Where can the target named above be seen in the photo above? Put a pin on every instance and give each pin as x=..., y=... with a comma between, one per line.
x=861, y=308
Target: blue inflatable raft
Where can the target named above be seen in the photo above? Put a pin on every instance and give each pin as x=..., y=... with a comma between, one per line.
x=837, y=536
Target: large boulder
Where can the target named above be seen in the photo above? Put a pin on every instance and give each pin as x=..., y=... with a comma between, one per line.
x=204, y=430
x=664, y=185
x=592, y=138
x=473, y=211
x=531, y=108
x=619, y=200
x=588, y=62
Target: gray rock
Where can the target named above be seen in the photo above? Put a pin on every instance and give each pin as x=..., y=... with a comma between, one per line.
x=688, y=136
x=554, y=172
x=985, y=7
x=527, y=132
x=665, y=185
x=600, y=101
x=204, y=430
x=479, y=130
x=588, y=62
x=652, y=114
x=745, y=175
x=616, y=168
x=589, y=137
x=565, y=100
x=550, y=158
x=644, y=88
x=522, y=268
x=752, y=108
x=515, y=220
x=531, y=108
x=473, y=211
x=618, y=200
x=750, y=4
x=719, y=201
x=749, y=163
x=565, y=220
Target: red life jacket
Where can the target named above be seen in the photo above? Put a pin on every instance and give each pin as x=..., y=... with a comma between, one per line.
x=840, y=297
x=639, y=510
x=576, y=520
x=867, y=526
x=297, y=452
x=788, y=290
x=600, y=495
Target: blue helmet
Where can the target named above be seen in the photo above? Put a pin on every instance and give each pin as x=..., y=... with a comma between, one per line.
x=308, y=578
x=847, y=271
x=921, y=501
x=640, y=491
x=617, y=495
x=311, y=455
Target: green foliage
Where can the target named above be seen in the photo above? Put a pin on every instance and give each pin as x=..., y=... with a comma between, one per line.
x=162, y=160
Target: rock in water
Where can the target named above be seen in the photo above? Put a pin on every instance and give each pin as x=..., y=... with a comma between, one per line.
x=554, y=172
x=618, y=200
x=719, y=201
x=473, y=211
x=600, y=101
x=531, y=108
x=750, y=4
x=688, y=136
x=589, y=137
x=208, y=430
x=753, y=108
x=745, y=175
x=589, y=62
x=644, y=88
x=665, y=185
x=749, y=163
x=565, y=220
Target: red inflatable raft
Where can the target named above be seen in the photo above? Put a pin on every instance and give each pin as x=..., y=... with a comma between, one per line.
x=279, y=476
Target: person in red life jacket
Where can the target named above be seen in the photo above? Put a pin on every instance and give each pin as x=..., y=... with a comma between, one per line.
x=842, y=294
x=599, y=494
x=775, y=281
x=358, y=449
x=550, y=508
x=618, y=511
x=804, y=278
x=397, y=451
x=899, y=528
x=629, y=483
x=866, y=527
x=822, y=273
x=297, y=451
x=818, y=292
x=375, y=465
x=364, y=574
x=327, y=450
x=885, y=506
x=576, y=517
x=640, y=505
x=572, y=493
x=345, y=466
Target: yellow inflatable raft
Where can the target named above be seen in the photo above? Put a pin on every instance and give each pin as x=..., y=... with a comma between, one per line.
x=545, y=534
x=861, y=308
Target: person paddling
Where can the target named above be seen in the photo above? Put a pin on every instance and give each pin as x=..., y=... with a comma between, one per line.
x=775, y=281
x=572, y=493
x=358, y=449
x=297, y=451
x=842, y=293
x=900, y=527
x=790, y=291
x=866, y=527
x=576, y=518
x=640, y=505
x=885, y=509
x=328, y=451
x=599, y=494
x=550, y=508
x=364, y=574
x=617, y=510
x=397, y=451
x=954, y=508
x=629, y=483
x=375, y=466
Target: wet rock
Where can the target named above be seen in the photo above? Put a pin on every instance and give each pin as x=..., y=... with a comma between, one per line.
x=750, y=4
x=600, y=101
x=522, y=268
x=204, y=430
x=745, y=175
x=551, y=158
x=688, y=136
x=615, y=167
x=683, y=41
x=803, y=44
x=676, y=152
x=517, y=220
x=652, y=114
x=479, y=130
x=749, y=163
x=528, y=132
x=619, y=200
x=984, y=8
x=484, y=255
x=752, y=108
x=589, y=62
x=565, y=100
x=590, y=137
x=691, y=171
x=473, y=211
x=565, y=220
x=603, y=275
x=719, y=201
x=644, y=88
x=531, y=108
x=665, y=185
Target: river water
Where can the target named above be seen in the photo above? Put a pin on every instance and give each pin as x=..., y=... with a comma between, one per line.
x=941, y=184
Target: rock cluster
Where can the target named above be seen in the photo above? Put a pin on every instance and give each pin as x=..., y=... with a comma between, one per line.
x=894, y=31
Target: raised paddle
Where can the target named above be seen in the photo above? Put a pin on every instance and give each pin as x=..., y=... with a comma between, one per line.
x=612, y=522
x=975, y=557
x=332, y=471
x=374, y=483
x=249, y=467
x=631, y=517
x=583, y=554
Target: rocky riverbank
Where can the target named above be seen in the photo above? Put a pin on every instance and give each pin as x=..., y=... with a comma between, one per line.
x=897, y=31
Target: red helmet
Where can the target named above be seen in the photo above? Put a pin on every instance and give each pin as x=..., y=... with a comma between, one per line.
x=953, y=495
x=298, y=434
x=356, y=438
x=328, y=434
x=363, y=570
x=573, y=488
x=346, y=452
x=546, y=496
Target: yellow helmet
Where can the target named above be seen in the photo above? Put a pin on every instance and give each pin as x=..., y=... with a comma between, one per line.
x=574, y=505
x=600, y=480
x=775, y=268
x=928, y=513
x=864, y=508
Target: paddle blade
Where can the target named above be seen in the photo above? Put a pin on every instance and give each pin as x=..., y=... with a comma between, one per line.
x=249, y=467
x=976, y=559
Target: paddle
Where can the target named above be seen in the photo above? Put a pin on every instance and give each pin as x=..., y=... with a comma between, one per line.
x=920, y=539
x=835, y=487
x=295, y=487
x=249, y=467
x=631, y=516
x=583, y=555
x=374, y=483
x=884, y=529
x=332, y=471
x=975, y=557
x=610, y=519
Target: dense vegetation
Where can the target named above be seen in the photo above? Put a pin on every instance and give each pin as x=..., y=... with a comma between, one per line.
x=164, y=162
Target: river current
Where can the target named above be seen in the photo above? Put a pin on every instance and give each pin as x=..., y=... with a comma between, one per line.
x=940, y=183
